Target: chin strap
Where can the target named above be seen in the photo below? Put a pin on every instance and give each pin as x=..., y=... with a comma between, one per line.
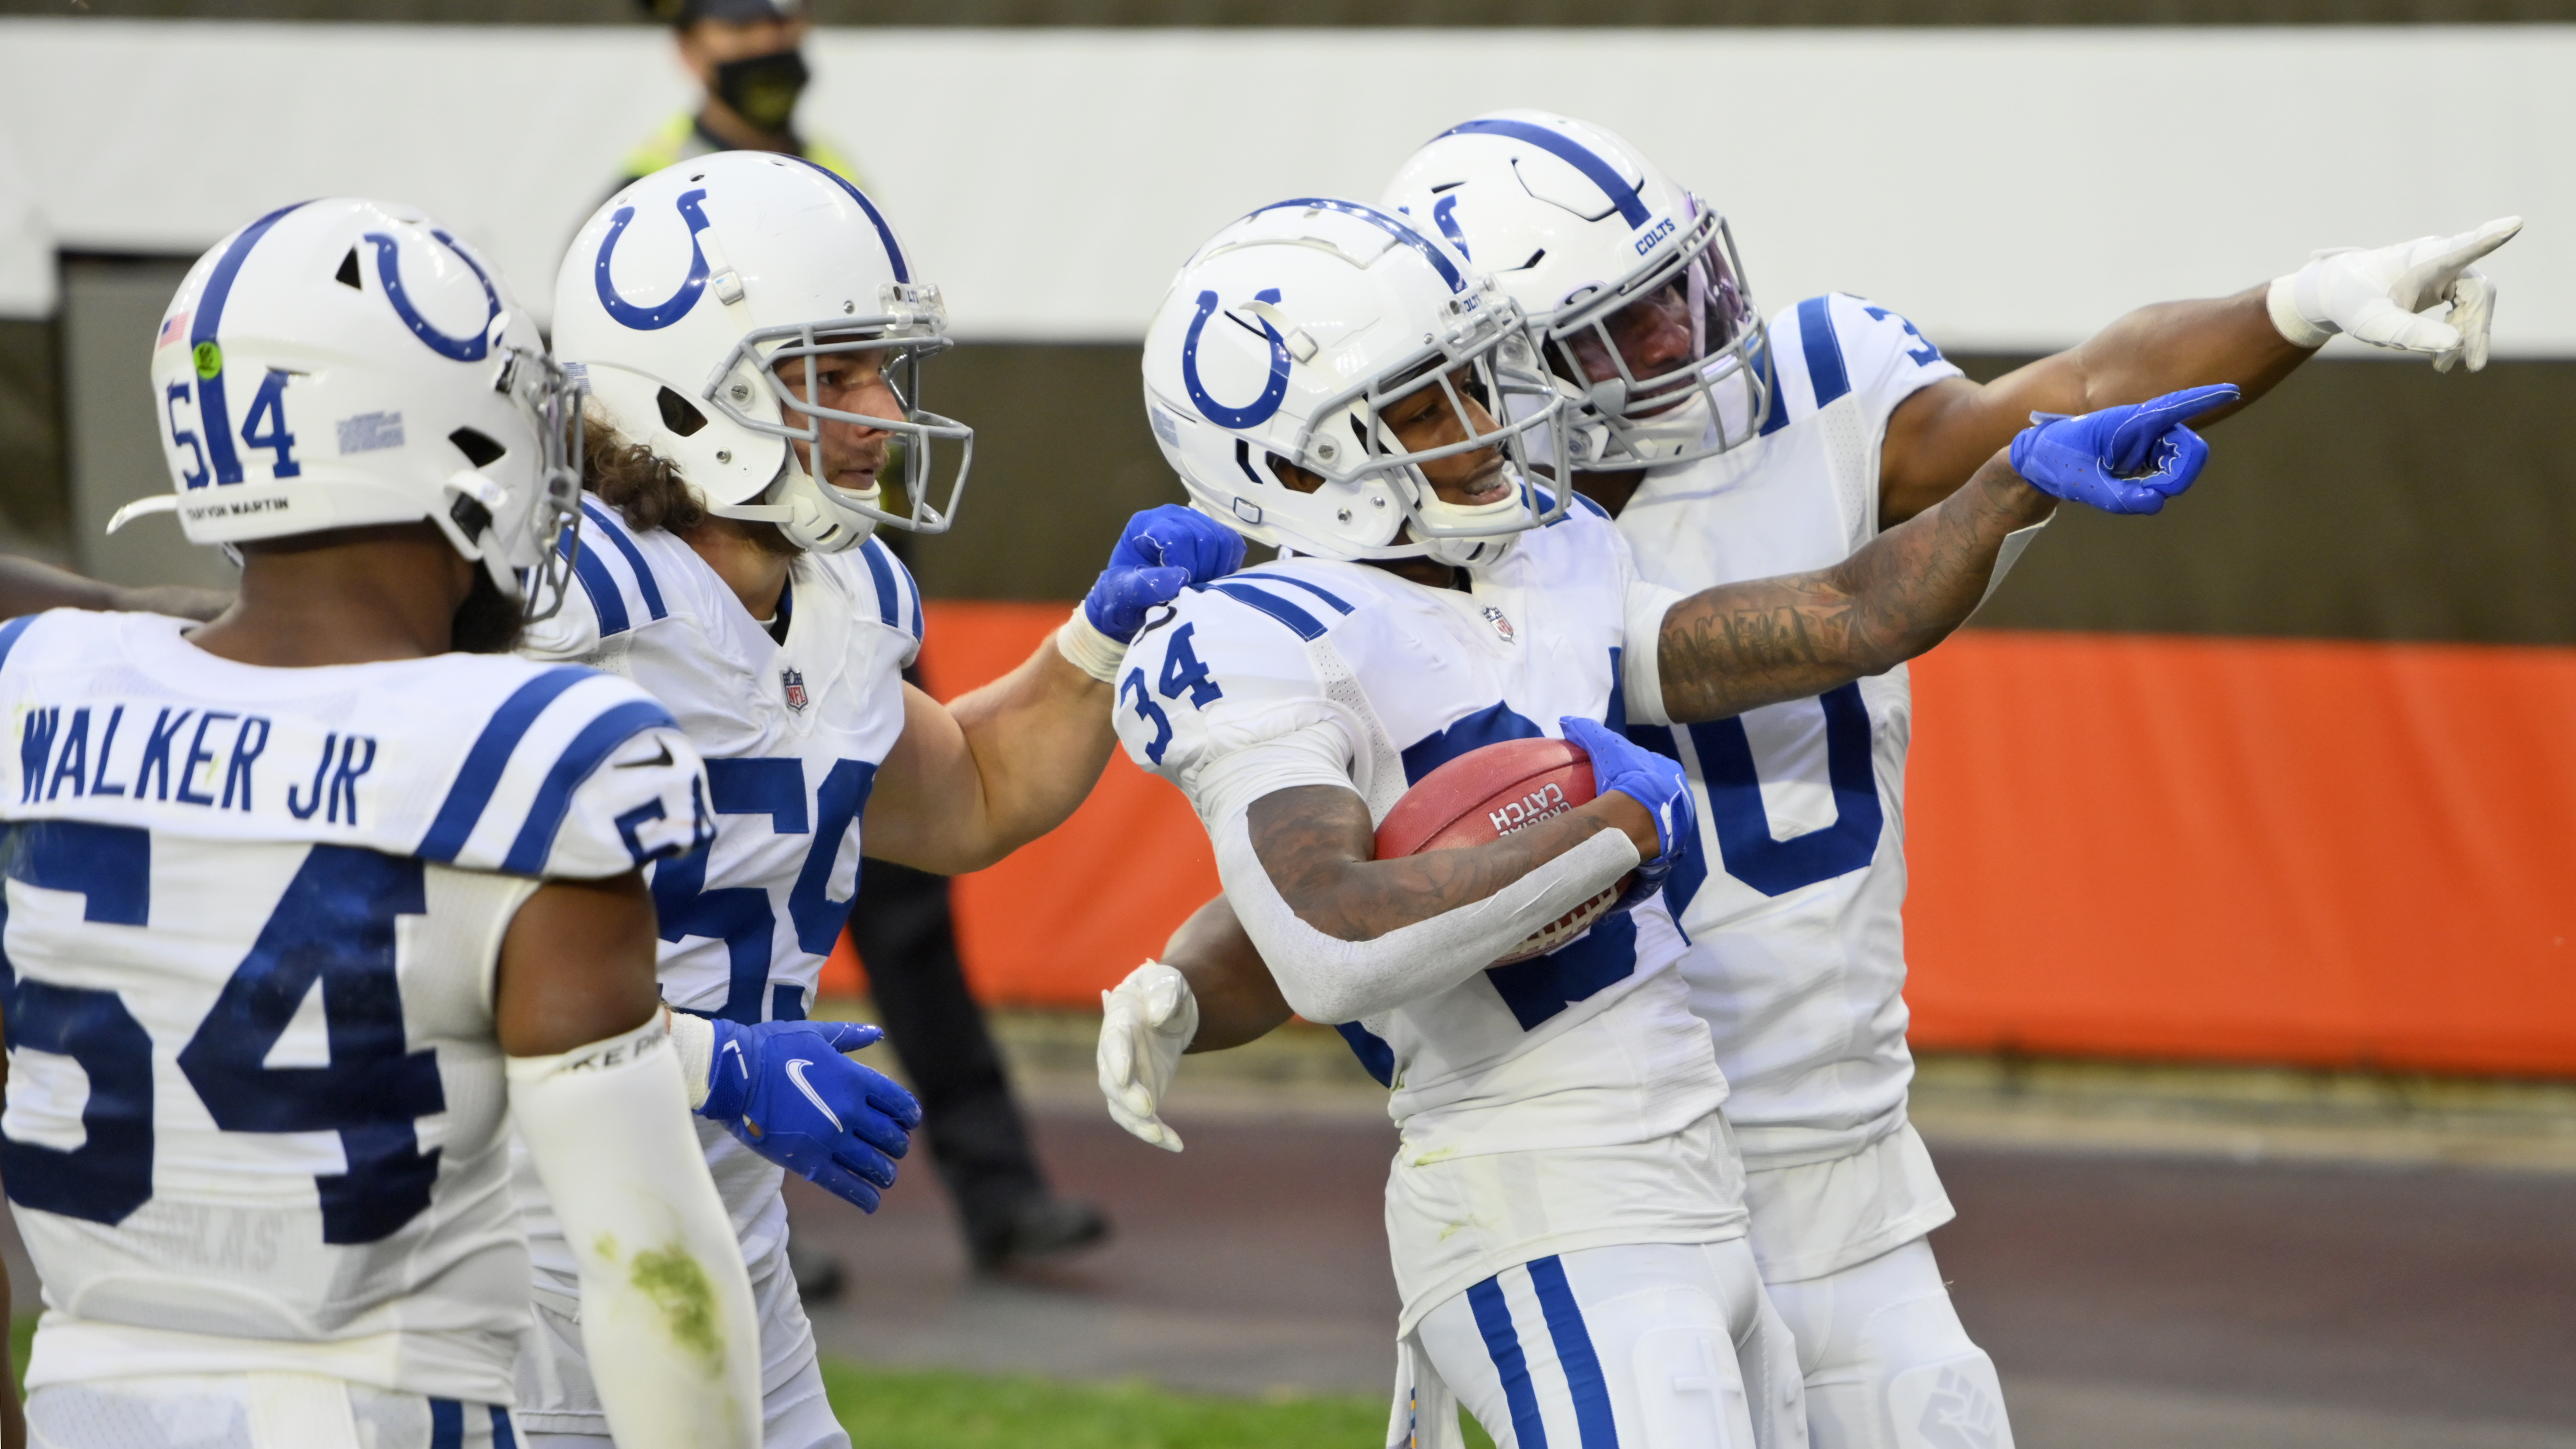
x=157, y=503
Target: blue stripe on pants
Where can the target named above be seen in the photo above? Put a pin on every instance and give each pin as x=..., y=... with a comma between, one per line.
x=1573, y=1341
x=1494, y=1320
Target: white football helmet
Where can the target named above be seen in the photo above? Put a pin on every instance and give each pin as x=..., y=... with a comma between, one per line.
x=341, y=363
x=686, y=295
x=1285, y=339
x=1575, y=224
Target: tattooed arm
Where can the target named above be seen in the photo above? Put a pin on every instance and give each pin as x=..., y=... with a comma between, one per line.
x=1738, y=646
x=1315, y=844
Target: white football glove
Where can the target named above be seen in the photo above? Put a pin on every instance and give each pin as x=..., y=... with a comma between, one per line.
x=2384, y=296
x=1145, y=1025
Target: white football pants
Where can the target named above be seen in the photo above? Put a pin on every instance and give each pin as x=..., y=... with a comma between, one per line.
x=1640, y=1346
x=1887, y=1364
x=255, y=1411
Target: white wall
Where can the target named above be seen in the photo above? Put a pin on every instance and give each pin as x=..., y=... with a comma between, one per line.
x=2010, y=189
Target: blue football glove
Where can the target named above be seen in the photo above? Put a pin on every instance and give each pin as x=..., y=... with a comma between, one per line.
x=1163, y=551
x=1652, y=780
x=2127, y=459
x=784, y=1088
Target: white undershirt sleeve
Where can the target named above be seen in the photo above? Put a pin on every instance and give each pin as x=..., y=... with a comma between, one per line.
x=1327, y=979
x=1314, y=754
x=1641, y=659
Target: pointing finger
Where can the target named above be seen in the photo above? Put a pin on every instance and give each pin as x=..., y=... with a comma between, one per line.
x=847, y=1036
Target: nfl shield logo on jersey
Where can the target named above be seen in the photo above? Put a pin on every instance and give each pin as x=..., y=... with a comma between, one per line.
x=1501, y=625
x=794, y=682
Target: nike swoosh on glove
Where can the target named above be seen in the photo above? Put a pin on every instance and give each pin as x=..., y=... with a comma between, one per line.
x=2127, y=459
x=1652, y=780
x=1163, y=551
x=2385, y=296
x=785, y=1090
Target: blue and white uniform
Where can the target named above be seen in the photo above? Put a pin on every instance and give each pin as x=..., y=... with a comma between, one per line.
x=1551, y=1109
x=255, y=1103
x=792, y=733
x=1797, y=960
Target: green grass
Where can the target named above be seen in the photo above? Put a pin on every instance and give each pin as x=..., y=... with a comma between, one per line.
x=937, y=1409
x=942, y=1409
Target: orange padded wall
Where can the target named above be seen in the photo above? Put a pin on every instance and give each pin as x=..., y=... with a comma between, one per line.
x=2330, y=853
x=2340, y=854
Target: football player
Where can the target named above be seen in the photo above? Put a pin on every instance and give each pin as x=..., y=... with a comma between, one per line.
x=1566, y=1210
x=299, y=900
x=753, y=334
x=1728, y=449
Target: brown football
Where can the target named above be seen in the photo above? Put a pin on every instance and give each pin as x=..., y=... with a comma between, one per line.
x=1486, y=794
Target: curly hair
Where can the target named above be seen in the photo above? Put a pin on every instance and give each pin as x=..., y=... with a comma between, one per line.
x=642, y=485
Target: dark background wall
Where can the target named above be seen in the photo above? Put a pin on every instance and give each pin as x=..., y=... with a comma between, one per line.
x=2362, y=500
x=1387, y=12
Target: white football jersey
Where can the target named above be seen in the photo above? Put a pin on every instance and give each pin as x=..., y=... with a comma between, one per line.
x=1551, y=1050
x=1795, y=904
x=792, y=735
x=255, y=1102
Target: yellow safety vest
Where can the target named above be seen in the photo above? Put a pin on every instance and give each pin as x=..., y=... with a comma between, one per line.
x=680, y=139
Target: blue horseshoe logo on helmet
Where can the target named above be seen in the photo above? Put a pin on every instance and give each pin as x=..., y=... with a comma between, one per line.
x=1259, y=410
x=1445, y=212
x=649, y=319
x=469, y=348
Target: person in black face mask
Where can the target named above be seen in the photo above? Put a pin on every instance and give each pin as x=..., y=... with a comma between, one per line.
x=745, y=53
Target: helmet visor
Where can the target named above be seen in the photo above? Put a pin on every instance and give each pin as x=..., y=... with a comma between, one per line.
x=1665, y=363
x=1459, y=416
x=796, y=362
x=543, y=561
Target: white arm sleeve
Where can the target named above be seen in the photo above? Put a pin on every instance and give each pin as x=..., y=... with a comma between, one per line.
x=665, y=1303
x=1641, y=661
x=1327, y=979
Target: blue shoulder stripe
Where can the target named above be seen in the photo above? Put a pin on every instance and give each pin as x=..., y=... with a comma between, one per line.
x=1277, y=608
x=912, y=591
x=578, y=763
x=9, y=633
x=597, y=583
x=1324, y=594
x=580, y=759
x=1816, y=338
x=645, y=583
x=889, y=594
x=1779, y=414
x=463, y=808
x=1592, y=507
